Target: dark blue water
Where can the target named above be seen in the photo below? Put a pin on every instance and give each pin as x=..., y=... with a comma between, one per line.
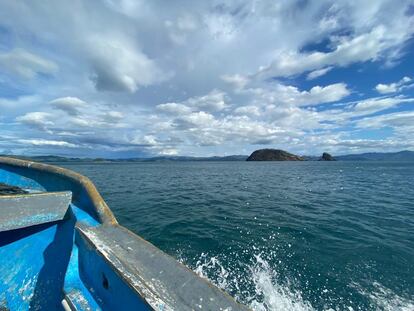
x=277, y=235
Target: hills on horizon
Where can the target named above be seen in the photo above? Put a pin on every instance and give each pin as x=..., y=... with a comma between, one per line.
x=405, y=155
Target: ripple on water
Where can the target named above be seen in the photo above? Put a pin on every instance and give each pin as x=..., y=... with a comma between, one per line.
x=277, y=236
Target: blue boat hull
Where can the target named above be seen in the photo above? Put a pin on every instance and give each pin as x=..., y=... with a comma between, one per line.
x=69, y=253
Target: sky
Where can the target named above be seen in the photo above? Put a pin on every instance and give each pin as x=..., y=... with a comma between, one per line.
x=132, y=78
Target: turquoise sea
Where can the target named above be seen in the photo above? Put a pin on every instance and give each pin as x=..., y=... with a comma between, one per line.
x=277, y=235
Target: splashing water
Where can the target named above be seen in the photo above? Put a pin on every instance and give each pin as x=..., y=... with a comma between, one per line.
x=384, y=299
x=262, y=290
x=275, y=296
x=267, y=293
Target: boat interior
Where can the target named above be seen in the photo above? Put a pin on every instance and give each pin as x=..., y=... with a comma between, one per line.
x=61, y=248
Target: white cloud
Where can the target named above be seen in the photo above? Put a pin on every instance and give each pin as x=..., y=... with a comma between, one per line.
x=279, y=93
x=221, y=26
x=366, y=145
x=248, y=110
x=74, y=118
x=44, y=142
x=174, y=108
x=213, y=101
x=404, y=119
x=40, y=120
x=327, y=94
x=112, y=116
x=26, y=64
x=318, y=73
x=393, y=87
x=386, y=88
x=119, y=66
x=70, y=105
x=378, y=104
x=356, y=110
x=194, y=120
x=96, y=121
x=216, y=101
x=179, y=29
x=369, y=46
x=237, y=80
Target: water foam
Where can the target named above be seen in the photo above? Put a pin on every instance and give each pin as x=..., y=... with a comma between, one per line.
x=384, y=299
x=258, y=288
x=275, y=296
x=258, y=285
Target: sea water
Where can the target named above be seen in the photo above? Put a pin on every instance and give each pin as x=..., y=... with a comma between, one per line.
x=277, y=235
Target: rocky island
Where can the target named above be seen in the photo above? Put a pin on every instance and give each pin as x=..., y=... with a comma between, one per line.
x=273, y=155
x=327, y=157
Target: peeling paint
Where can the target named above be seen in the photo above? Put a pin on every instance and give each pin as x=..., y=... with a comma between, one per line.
x=104, y=267
x=23, y=210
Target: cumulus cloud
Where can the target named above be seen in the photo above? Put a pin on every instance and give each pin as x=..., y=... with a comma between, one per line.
x=40, y=120
x=174, y=108
x=70, y=105
x=199, y=77
x=212, y=102
x=74, y=120
x=112, y=116
x=193, y=120
x=237, y=80
x=248, y=110
x=286, y=94
x=393, y=87
x=119, y=66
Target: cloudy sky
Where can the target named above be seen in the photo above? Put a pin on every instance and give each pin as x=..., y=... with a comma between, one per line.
x=125, y=78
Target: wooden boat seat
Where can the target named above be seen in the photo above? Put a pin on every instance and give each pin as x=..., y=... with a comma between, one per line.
x=24, y=210
x=114, y=262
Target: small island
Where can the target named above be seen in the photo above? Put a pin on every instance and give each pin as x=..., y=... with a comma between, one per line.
x=273, y=155
x=327, y=157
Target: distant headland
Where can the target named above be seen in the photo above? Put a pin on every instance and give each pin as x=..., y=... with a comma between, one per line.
x=273, y=155
x=258, y=155
x=281, y=155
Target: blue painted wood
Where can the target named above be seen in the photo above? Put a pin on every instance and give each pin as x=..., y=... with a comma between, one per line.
x=116, y=263
x=107, y=268
x=112, y=291
x=18, y=180
x=33, y=263
x=76, y=294
x=28, y=177
x=24, y=210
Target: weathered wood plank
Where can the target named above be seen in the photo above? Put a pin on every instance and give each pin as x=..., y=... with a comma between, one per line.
x=160, y=280
x=20, y=211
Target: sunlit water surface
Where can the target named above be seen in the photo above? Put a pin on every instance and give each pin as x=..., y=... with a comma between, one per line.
x=277, y=235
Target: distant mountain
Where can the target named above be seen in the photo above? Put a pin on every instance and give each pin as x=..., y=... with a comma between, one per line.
x=273, y=155
x=183, y=158
x=52, y=159
x=285, y=156
x=405, y=155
